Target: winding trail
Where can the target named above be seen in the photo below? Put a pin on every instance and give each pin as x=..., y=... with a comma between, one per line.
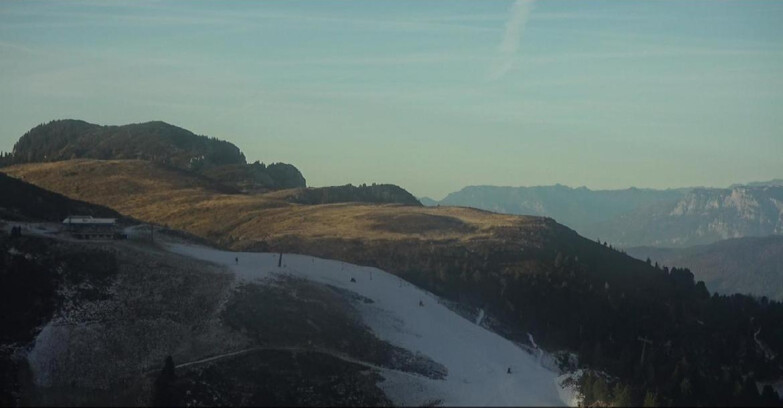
x=293, y=349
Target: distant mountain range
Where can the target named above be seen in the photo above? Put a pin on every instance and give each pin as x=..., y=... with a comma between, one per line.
x=701, y=216
x=770, y=183
x=746, y=265
x=638, y=217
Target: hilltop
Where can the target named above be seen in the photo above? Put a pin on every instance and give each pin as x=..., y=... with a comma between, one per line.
x=157, y=142
x=154, y=141
x=375, y=193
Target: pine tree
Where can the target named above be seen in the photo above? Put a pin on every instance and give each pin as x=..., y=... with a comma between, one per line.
x=770, y=397
x=163, y=392
x=622, y=396
x=600, y=390
x=750, y=394
x=650, y=399
x=586, y=389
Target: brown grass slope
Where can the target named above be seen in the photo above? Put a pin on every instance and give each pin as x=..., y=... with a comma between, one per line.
x=20, y=201
x=168, y=196
x=464, y=253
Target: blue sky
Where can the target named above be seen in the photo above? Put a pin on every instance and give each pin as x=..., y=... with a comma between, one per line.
x=429, y=95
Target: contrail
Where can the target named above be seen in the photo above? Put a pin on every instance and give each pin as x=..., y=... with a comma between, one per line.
x=515, y=26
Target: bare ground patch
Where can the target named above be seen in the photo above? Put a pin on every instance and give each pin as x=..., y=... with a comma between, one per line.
x=111, y=330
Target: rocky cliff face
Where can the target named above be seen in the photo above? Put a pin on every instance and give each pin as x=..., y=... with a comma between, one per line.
x=702, y=216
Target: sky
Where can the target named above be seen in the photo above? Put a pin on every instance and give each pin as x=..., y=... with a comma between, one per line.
x=429, y=95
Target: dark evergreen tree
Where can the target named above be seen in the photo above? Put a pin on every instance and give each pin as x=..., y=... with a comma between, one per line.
x=770, y=397
x=601, y=390
x=650, y=399
x=621, y=396
x=163, y=391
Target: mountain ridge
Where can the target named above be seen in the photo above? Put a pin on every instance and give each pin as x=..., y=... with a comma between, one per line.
x=634, y=216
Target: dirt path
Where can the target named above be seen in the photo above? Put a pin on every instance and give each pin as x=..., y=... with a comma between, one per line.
x=293, y=349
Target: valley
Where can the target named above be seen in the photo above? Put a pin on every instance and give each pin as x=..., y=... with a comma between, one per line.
x=750, y=265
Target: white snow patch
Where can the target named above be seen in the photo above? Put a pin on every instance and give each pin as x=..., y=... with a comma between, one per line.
x=535, y=346
x=567, y=388
x=480, y=317
x=477, y=359
x=51, y=343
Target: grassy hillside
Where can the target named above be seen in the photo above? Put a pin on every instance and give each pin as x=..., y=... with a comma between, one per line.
x=530, y=274
x=22, y=201
x=182, y=200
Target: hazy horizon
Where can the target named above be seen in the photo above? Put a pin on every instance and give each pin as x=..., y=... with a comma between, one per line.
x=431, y=96
x=593, y=189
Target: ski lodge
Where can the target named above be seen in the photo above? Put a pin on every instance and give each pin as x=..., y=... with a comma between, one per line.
x=87, y=227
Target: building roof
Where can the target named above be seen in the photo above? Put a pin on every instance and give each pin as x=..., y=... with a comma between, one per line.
x=88, y=220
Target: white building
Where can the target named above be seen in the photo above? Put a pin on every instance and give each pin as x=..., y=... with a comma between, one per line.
x=88, y=227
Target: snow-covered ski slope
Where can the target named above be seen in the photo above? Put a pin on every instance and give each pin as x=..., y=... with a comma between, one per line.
x=477, y=359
